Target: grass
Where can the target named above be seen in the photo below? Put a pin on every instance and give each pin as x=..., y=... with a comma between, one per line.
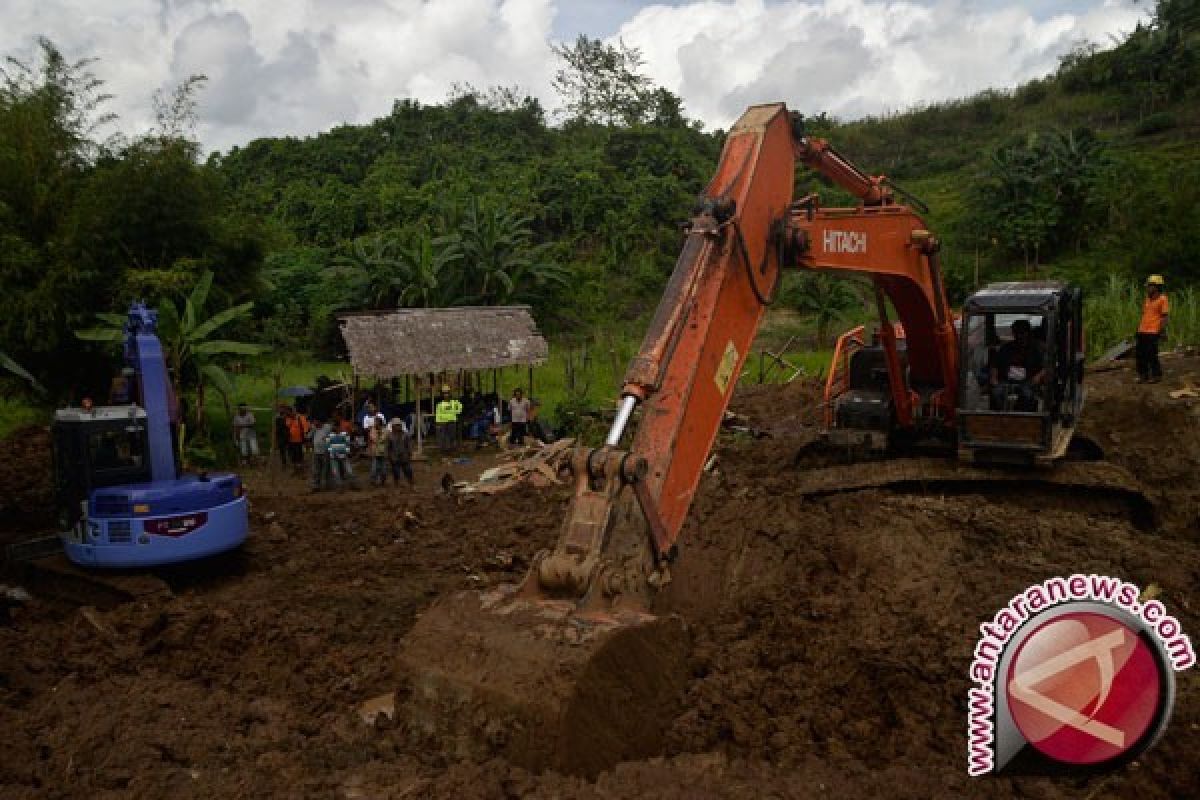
x=16, y=413
x=1112, y=315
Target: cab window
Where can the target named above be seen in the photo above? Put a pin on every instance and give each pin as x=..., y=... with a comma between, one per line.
x=116, y=449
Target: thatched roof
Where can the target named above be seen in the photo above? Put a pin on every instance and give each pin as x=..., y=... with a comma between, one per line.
x=389, y=344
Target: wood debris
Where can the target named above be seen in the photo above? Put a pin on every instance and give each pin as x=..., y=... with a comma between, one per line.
x=93, y=619
x=537, y=468
x=1188, y=390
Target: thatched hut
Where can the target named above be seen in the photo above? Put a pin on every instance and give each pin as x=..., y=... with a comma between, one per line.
x=432, y=344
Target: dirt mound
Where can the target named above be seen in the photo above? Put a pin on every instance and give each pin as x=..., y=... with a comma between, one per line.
x=781, y=409
x=1155, y=436
x=831, y=633
x=26, y=485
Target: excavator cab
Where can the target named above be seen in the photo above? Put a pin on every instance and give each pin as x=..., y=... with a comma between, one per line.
x=1021, y=362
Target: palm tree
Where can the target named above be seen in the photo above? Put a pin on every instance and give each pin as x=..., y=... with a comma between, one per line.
x=425, y=266
x=827, y=298
x=502, y=261
x=192, y=355
x=377, y=276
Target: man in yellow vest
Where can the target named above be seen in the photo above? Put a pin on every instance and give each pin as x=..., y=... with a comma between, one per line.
x=445, y=414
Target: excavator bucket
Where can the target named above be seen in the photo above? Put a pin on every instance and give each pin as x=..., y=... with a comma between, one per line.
x=540, y=684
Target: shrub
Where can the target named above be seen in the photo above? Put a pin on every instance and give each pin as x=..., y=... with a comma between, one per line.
x=1156, y=123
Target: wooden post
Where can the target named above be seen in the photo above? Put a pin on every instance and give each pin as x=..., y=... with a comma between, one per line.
x=276, y=380
x=420, y=425
x=530, y=381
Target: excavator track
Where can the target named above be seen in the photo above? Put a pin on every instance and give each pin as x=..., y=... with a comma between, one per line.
x=54, y=576
x=930, y=474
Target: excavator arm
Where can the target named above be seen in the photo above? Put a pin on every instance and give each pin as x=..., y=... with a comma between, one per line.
x=573, y=660
x=746, y=229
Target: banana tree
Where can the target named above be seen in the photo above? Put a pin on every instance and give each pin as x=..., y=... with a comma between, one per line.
x=502, y=261
x=193, y=354
x=427, y=264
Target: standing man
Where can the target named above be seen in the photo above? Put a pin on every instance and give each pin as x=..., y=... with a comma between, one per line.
x=337, y=442
x=518, y=411
x=245, y=435
x=445, y=415
x=367, y=419
x=400, y=452
x=321, y=471
x=1152, y=328
x=377, y=448
x=298, y=429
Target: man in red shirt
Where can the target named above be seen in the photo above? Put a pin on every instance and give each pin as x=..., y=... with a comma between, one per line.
x=1152, y=328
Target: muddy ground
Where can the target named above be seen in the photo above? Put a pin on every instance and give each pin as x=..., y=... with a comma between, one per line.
x=831, y=635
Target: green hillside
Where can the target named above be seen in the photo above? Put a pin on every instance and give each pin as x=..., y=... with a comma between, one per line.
x=1090, y=173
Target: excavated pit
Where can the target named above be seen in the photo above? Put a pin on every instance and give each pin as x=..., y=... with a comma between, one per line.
x=830, y=632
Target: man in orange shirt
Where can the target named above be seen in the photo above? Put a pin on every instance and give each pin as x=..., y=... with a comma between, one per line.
x=298, y=429
x=1152, y=328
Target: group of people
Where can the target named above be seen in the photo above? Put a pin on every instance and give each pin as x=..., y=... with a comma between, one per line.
x=386, y=443
x=485, y=420
x=388, y=450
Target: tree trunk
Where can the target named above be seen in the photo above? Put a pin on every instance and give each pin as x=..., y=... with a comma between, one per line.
x=200, y=420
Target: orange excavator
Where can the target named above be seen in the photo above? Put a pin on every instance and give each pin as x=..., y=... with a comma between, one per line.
x=572, y=669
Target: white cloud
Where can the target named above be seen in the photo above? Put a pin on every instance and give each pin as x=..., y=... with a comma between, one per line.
x=301, y=66
x=854, y=57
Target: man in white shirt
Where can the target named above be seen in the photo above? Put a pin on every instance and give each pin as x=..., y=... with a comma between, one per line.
x=245, y=434
x=518, y=410
x=368, y=417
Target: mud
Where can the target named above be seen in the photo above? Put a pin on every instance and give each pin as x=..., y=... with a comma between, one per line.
x=831, y=633
x=26, y=484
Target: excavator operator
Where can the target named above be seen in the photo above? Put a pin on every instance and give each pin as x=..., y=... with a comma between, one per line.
x=1019, y=367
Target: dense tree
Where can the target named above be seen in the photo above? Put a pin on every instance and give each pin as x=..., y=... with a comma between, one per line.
x=603, y=83
x=89, y=223
x=478, y=199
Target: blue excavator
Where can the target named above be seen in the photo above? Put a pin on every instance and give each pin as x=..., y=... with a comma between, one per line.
x=122, y=499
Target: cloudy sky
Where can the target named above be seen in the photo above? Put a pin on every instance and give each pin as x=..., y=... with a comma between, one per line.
x=278, y=67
